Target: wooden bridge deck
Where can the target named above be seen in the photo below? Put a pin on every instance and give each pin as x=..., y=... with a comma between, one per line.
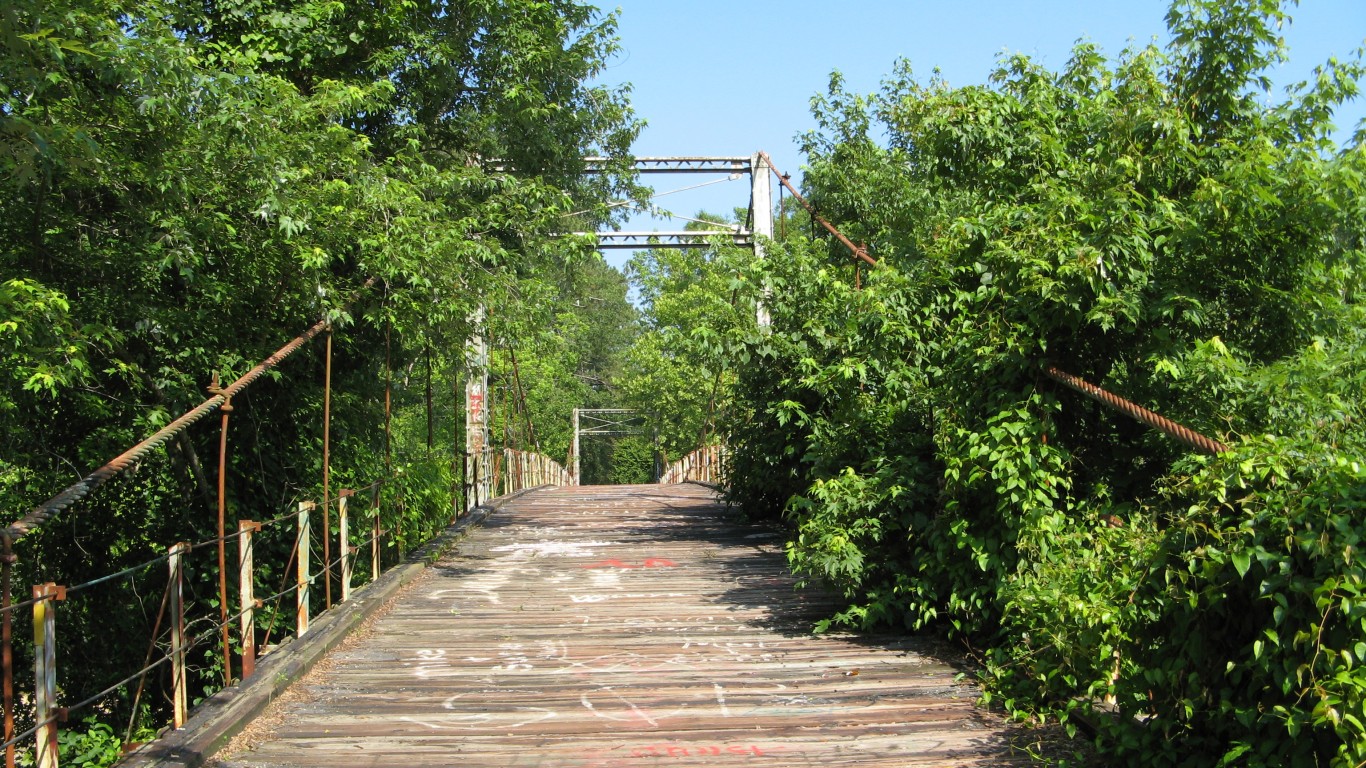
x=621, y=626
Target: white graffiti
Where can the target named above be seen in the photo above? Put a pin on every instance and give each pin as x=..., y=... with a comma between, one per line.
x=553, y=549
x=625, y=596
x=455, y=719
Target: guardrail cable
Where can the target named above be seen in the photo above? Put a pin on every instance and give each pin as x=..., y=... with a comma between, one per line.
x=859, y=253
x=74, y=493
x=1151, y=418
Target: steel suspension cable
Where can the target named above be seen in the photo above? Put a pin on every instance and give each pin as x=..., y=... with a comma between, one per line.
x=1151, y=418
x=50, y=508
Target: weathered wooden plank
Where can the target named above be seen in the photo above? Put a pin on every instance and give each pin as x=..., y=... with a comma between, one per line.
x=625, y=626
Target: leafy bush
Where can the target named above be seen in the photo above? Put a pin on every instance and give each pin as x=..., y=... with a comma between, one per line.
x=1150, y=226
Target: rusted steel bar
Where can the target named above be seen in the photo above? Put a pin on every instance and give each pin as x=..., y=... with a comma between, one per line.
x=225, y=632
x=7, y=560
x=854, y=249
x=301, y=609
x=180, y=703
x=327, y=474
x=40, y=514
x=1162, y=424
x=246, y=592
x=782, y=211
x=146, y=662
x=46, y=713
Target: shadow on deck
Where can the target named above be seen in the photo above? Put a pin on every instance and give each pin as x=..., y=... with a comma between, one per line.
x=621, y=626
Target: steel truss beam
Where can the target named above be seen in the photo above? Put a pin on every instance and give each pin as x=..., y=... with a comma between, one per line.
x=680, y=164
x=609, y=421
x=681, y=239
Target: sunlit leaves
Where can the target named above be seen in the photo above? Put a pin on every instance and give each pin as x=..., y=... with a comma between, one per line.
x=1150, y=224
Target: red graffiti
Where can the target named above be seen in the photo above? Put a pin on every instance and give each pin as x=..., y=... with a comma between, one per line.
x=476, y=403
x=606, y=759
x=677, y=750
x=654, y=562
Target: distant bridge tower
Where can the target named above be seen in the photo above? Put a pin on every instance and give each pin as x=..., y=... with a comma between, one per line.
x=478, y=452
x=760, y=207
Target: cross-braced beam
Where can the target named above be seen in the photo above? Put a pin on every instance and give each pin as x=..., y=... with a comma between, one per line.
x=682, y=239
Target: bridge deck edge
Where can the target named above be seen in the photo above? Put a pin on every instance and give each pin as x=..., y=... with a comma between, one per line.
x=225, y=714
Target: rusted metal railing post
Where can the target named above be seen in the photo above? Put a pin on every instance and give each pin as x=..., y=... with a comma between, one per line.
x=180, y=706
x=7, y=560
x=246, y=593
x=225, y=633
x=327, y=474
x=497, y=479
x=46, y=712
x=301, y=585
x=574, y=477
x=343, y=522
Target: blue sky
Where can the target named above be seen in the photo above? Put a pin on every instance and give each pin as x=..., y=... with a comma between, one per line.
x=727, y=77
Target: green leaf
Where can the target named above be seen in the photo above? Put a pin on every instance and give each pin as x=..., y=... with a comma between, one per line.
x=1242, y=560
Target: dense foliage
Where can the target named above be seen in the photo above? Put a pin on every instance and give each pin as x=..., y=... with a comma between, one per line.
x=696, y=315
x=1156, y=226
x=186, y=186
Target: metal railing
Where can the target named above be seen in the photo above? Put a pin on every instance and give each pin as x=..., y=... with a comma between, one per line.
x=179, y=630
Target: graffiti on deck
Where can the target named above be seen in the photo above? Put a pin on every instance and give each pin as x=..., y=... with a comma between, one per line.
x=681, y=750
x=653, y=562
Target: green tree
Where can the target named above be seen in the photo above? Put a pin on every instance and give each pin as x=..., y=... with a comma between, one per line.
x=183, y=187
x=695, y=304
x=1151, y=225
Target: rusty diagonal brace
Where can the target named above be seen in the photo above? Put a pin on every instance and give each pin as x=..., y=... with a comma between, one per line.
x=858, y=252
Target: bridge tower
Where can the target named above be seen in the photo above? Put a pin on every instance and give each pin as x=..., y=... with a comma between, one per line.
x=478, y=434
x=478, y=437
